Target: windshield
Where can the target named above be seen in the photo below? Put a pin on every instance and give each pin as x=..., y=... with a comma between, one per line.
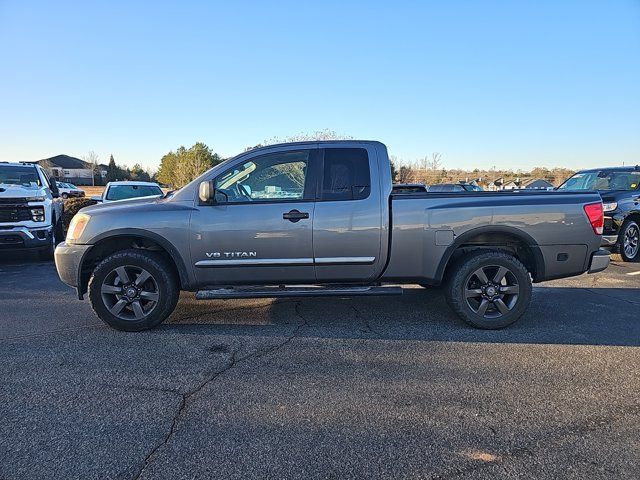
x=25, y=176
x=123, y=192
x=602, y=180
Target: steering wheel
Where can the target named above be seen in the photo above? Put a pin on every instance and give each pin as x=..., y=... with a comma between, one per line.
x=243, y=192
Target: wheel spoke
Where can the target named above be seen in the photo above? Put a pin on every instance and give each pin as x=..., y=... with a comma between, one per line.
x=510, y=289
x=482, y=309
x=149, y=296
x=481, y=276
x=500, y=305
x=502, y=271
x=122, y=275
x=472, y=292
x=143, y=277
x=119, y=305
x=110, y=289
x=137, y=309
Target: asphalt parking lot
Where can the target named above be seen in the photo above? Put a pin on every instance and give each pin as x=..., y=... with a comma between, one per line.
x=393, y=387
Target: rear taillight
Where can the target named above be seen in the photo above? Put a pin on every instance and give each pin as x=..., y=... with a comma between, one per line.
x=595, y=214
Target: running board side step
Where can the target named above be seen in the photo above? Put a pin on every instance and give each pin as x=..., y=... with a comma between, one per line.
x=294, y=291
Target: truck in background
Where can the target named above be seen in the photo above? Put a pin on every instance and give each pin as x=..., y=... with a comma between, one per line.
x=30, y=209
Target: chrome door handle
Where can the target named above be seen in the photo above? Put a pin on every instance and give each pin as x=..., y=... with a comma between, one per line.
x=295, y=216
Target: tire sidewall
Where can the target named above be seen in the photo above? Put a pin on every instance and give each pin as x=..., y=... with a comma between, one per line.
x=456, y=295
x=156, y=266
x=623, y=231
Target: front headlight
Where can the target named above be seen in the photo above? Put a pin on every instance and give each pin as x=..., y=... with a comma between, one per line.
x=77, y=226
x=35, y=199
x=37, y=214
x=609, y=207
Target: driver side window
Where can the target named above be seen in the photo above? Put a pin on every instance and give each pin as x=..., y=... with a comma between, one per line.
x=276, y=177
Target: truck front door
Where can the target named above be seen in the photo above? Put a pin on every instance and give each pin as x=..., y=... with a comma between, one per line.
x=259, y=230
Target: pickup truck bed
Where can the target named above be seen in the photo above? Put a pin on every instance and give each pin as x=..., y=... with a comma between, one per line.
x=548, y=229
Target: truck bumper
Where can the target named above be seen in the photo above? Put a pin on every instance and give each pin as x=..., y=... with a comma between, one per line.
x=609, y=241
x=599, y=261
x=24, y=237
x=68, y=260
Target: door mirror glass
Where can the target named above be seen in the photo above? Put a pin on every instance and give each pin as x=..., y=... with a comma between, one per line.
x=205, y=191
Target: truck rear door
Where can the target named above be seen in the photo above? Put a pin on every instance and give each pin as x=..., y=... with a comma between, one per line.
x=347, y=226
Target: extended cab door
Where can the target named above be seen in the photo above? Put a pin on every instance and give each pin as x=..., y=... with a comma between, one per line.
x=349, y=216
x=259, y=230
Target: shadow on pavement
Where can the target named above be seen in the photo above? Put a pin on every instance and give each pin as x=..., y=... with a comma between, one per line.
x=566, y=316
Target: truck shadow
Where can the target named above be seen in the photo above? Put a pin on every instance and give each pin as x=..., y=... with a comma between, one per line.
x=21, y=257
x=567, y=316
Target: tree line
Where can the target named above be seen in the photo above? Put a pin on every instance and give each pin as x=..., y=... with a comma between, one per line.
x=179, y=167
x=430, y=171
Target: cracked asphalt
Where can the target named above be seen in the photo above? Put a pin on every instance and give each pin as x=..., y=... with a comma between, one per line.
x=388, y=387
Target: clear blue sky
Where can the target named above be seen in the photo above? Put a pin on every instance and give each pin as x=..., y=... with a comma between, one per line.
x=510, y=83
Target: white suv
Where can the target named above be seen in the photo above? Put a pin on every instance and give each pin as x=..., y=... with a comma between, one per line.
x=30, y=209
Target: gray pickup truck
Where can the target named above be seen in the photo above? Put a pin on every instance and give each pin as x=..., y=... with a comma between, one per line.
x=320, y=219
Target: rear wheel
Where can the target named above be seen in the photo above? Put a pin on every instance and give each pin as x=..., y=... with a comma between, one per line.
x=133, y=290
x=489, y=290
x=629, y=241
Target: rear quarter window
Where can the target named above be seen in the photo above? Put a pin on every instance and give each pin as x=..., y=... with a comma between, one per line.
x=346, y=174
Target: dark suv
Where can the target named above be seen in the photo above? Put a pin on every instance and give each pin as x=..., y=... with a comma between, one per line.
x=619, y=188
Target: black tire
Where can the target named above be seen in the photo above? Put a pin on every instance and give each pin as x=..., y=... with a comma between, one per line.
x=629, y=241
x=46, y=253
x=120, y=311
x=65, y=196
x=491, y=304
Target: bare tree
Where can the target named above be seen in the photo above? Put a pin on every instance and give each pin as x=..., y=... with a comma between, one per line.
x=434, y=161
x=92, y=159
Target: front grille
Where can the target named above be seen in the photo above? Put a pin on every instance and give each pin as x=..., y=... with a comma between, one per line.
x=13, y=201
x=14, y=214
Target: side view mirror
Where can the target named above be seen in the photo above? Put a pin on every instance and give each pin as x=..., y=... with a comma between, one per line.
x=207, y=193
x=97, y=198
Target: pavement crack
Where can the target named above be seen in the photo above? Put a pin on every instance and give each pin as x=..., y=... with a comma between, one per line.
x=363, y=318
x=631, y=302
x=187, y=397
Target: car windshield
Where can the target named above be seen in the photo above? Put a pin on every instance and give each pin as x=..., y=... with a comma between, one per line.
x=602, y=180
x=26, y=176
x=122, y=192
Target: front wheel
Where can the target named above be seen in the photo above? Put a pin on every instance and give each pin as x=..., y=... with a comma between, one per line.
x=489, y=290
x=133, y=290
x=629, y=241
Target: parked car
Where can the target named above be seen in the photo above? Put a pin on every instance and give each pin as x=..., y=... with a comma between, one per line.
x=69, y=190
x=30, y=209
x=271, y=221
x=620, y=191
x=127, y=190
x=454, y=187
x=409, y=188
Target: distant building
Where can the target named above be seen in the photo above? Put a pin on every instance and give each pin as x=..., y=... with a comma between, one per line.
x=65, y=168
x=537, y=184
x=496, y=184
x=527, y=183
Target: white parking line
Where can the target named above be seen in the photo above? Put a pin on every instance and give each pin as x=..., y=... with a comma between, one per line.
x=634, y=273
